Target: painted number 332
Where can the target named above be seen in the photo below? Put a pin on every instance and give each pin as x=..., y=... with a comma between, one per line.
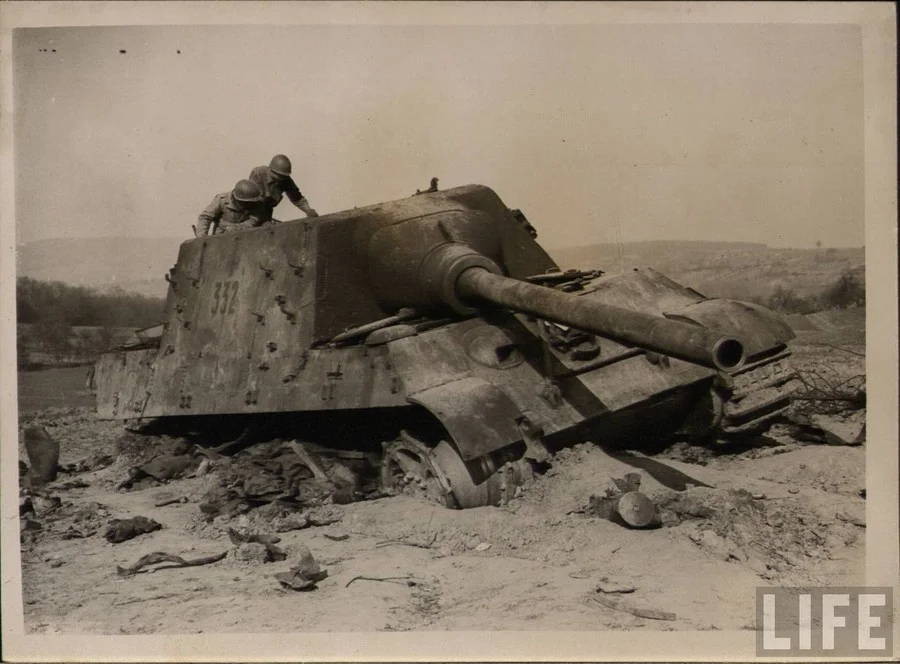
x=224, y=297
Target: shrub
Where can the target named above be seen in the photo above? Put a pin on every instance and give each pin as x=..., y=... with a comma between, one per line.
x=785, y=300
x=848, y=291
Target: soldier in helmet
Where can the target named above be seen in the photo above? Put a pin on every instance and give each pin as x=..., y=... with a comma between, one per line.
x=235, y=210
x=274, y=181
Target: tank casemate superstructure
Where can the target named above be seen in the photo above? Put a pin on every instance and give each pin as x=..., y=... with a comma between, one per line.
x=439, y=320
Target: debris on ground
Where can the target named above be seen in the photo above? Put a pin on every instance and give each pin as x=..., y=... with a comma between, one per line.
x=637, y=510
x=93, y=462
x=160, y=557
x=203, y=468
x=43, y=455
x=276, y=472
x=309, y=460
x=163, y=502
x=415, y=543
x=622, y=502
x=640, y=612
x=346, y=483
x=324, y=515
x=831, y=429
x=72, y=484
x=407, y=580
x=29, y=525
x=251, y=552
x=159, y=471
x=858, y=520
x=337, y=538
x=268, y=542
x=606, y=585
x=39, y=501
x=295, y=521
x=304, y=575
x=121, y=530
x=832, y=376
x=765, y=535
x=74, y=532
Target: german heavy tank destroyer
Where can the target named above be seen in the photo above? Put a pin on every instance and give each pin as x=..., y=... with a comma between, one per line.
x=435, y=331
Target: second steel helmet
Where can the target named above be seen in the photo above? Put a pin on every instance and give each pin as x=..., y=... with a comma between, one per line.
x=246, y=191
x=280, y=164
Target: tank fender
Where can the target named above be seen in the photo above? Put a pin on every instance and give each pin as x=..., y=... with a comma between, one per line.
x=480, y=416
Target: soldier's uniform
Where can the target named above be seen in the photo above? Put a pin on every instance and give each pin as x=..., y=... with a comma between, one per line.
x=273, y=190
x=273, y=182
x=228, y=215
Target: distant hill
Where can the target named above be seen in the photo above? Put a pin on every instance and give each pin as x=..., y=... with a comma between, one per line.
x=724, y=269
x=732, y=269
x=132, y=264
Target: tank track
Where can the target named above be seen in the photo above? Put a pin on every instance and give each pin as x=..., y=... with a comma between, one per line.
x=757, y=393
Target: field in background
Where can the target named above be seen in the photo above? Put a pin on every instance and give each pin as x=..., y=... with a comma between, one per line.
x=41, y=348
x=58, y=387
x=741, y=271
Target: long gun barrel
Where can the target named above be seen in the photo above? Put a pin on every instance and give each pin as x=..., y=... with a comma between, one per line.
x=677, y=339
x=453, y=260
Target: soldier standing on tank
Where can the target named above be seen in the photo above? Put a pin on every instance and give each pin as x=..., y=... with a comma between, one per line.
x=274, y=181
x=235, y=210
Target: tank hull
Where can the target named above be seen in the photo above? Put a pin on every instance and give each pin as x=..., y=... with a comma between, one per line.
x=453, y=371
x=441, y=313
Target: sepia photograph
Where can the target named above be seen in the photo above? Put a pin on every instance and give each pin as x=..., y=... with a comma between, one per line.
x=570, y=328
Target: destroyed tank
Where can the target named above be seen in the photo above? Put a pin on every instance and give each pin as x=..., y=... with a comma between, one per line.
x=436, y=332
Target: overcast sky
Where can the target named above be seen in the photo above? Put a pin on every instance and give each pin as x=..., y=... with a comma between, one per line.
x=599, y=133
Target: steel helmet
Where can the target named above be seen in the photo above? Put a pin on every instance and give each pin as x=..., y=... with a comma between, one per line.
x=246, y=191
x=280, y=164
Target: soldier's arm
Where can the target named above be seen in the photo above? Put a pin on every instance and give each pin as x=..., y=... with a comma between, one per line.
x=293, y=193
x=291, y=190
x=209, y=217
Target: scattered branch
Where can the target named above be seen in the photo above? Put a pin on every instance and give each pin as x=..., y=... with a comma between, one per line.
x=407, y=542
x=160, y=557
x=391, y=579
x=170, y=501
x=832, y=391
x=146, y=599
x=336, y=538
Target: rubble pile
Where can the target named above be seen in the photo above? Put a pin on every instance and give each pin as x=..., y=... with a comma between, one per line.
x=122, y=530
x=288, y=481
x=768, y=534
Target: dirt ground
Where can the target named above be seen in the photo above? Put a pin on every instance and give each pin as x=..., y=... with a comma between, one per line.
x=782, y=511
